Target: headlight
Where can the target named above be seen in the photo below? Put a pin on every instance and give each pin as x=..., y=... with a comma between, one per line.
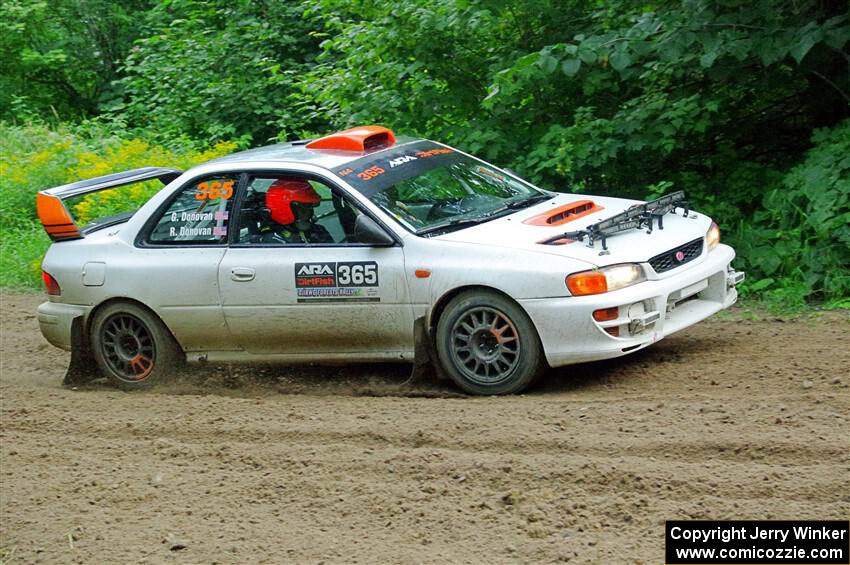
x=605, y=279
x=712, y=236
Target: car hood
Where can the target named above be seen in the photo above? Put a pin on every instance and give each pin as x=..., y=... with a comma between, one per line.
x=525, y=229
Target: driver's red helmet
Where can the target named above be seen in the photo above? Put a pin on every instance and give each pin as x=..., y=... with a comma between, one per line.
x=283, y=192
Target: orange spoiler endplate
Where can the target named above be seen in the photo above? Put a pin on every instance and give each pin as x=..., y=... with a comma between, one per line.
x=54, y=215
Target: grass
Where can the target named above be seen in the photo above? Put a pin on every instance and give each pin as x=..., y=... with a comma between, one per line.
x=37, y=156
x=22, y=249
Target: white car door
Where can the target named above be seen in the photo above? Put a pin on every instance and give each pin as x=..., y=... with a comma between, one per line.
x=179, y=254
x=313, y=300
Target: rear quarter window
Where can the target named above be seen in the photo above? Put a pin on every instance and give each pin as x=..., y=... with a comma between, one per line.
x=200, y=214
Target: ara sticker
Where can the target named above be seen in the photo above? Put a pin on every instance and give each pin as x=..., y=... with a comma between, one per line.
x=401, y=160
x=355, y=281
x=377, y=171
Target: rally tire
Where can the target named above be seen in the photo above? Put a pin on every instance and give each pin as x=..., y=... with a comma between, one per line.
x=132, y=346
x=488, y=345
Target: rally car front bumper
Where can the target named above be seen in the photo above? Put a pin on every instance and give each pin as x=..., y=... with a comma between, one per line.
x=647, y=311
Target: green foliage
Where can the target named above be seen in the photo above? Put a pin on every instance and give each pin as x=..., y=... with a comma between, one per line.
x=218, y=70
x=569, y=94
x=21, y=251
x=421, y=69
x=739, y=103
x=60, y=57
x=34, y=157
x=717, y=99
x=800, y=238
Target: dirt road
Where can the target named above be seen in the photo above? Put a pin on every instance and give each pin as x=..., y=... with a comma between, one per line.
x=731, y=419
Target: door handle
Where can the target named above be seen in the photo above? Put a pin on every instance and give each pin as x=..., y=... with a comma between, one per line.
x=241, y=274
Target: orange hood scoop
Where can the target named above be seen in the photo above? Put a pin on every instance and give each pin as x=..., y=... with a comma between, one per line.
x=564, y=214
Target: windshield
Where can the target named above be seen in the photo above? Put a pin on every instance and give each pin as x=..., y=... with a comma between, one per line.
x=430, y=188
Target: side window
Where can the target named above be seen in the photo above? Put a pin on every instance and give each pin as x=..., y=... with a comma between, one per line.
x=294, y=210
x=199, y=214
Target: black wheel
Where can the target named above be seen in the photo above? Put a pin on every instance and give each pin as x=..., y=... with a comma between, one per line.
x=488, y=345
x=132, y=346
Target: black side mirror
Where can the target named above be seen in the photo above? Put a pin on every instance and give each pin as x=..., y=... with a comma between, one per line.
x=368, y=232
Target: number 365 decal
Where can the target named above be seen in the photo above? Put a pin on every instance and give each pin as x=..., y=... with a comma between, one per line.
x=214, y=190
x=357, y=274
x=324, y=275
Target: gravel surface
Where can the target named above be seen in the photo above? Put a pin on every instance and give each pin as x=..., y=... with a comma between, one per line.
x=730, y=419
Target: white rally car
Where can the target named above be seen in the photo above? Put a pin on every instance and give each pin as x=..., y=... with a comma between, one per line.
x=361, y=246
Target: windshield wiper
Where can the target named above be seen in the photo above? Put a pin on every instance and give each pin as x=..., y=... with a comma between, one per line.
x=460, y=223
x=457, y=223
x=519, y=204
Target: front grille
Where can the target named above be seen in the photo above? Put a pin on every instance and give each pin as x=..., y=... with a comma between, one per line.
x=667, y=260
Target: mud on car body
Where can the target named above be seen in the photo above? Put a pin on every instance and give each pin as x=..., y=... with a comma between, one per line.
x=424, y=254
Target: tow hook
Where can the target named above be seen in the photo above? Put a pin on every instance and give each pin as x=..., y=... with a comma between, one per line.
x=734, y=278
x=638, y=324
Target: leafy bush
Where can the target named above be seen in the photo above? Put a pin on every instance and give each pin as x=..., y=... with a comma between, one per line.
x=626, y=99
x=621, y=98
x=34, y=157
x=798, y=244
x=214, y=70
x=61, y=57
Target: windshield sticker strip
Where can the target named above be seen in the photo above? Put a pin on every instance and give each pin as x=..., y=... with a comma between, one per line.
x=377, y=171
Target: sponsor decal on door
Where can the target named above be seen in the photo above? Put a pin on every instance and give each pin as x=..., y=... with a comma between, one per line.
x=350, y=281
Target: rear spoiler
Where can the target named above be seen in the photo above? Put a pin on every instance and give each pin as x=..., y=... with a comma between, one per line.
x=54, y=215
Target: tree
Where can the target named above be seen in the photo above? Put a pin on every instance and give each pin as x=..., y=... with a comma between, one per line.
x=218, y=70
x=62, y=57
x=621, y=98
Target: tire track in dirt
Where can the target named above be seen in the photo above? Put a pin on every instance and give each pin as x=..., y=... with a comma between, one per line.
x=730, y=419
x=774, y=451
